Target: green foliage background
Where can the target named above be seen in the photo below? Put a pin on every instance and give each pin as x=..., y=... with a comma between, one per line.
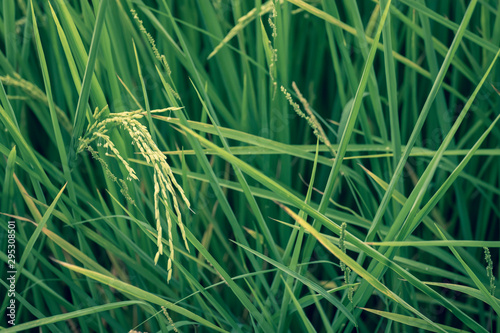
x=378, y=212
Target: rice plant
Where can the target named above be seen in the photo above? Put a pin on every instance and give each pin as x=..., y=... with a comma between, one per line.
x=249, y=166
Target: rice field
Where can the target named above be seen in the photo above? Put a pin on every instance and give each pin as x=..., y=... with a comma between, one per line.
x=249, y=166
